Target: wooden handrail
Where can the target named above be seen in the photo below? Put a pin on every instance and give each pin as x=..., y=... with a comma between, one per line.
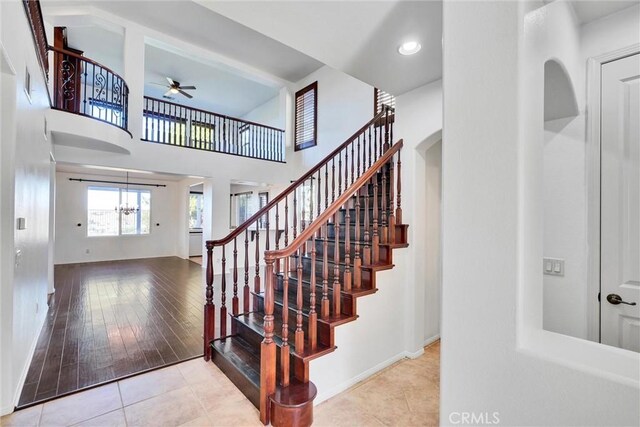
x=324, y=217
x=236, y=232
x=186, y=107
x=85, y=59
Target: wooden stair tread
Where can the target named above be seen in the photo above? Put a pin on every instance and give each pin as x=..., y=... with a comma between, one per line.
x=255, y=321
x=295, y=395
x=240, y=354
x=306, y=284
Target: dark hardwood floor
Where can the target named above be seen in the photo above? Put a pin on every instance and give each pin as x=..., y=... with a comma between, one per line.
x=108, y=320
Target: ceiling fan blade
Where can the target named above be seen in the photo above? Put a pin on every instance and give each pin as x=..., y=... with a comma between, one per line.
x=185, y=93
x=159, y=84
x=187, y=87
x=170, y=80
x=169, y=93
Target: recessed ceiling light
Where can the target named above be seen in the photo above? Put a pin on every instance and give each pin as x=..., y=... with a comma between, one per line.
x=409, y=48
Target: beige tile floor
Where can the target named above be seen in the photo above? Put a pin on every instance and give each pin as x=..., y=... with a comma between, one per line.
x=196, y=393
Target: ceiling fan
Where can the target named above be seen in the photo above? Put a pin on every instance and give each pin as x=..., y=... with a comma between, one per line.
x=175, y=88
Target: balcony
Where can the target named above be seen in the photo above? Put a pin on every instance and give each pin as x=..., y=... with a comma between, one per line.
x=178, y=125
x=84, y=87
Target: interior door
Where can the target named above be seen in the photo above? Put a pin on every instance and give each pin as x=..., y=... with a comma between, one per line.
x=620, y=203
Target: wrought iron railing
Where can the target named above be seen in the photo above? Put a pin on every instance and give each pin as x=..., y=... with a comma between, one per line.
x=85, y=87
x=174, y=124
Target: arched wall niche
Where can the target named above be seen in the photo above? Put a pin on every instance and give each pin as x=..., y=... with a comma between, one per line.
x=559, y=95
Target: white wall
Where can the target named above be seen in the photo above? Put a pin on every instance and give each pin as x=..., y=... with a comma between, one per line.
x=24, y=193
x=271, y=113
x=495, y=357
x=419, y=124
x=345, y=104
x=565, y=147
x=72, y=242
x=433, y=256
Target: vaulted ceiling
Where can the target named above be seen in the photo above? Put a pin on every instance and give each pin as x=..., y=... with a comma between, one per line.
x=360, y=38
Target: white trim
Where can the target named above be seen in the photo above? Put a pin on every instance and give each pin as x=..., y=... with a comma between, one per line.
x=593, y=183
x=365, y=375
x=431, y=340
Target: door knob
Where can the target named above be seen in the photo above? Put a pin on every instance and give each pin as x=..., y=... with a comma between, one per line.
x=615, y=300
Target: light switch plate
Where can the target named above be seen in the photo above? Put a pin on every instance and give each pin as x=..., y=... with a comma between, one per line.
x=22, y=224
x=553, y=266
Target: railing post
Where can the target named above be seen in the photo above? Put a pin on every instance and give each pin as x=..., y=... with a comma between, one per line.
x=398, y=195
x=234, y=300
x=223, y=296
x=284, y=349
x=209, y=307
x=268, y=347
x=392, y=216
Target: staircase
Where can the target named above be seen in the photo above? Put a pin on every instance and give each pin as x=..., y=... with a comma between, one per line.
x=335, y=228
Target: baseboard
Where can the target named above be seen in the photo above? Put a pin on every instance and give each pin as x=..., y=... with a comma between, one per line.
x=415, y=354
x=431, y=340
x=25, y=370
x=321, y=397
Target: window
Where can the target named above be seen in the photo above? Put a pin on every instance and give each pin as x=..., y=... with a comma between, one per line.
x=241, y=208
x=263, y=200
x=306, y=132
x=381, y=98
x=156, y=128
x=196, y=206
x=104, y=218
x=201, y=134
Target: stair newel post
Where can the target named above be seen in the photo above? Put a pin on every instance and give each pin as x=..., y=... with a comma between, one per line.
x=375, y=249
x=277, y=237
x=336, y=267
x=324, y=306
x=234, y=300
x=223, y=296
x=347, y=248
x=366, y=253
x=398, y=195
x=392, y=216
x=245, y=293
x=357, y=261
x=209, y=306
x=256, y=279
x=284, y=349
x=383, y=208
x=313, y=315
x=268, y=346
x=299, y=336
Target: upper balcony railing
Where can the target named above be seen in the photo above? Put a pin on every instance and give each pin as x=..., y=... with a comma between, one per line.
x=85, y=87
x=174, y=124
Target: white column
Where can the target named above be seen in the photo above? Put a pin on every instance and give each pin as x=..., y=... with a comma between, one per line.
x=134, y=77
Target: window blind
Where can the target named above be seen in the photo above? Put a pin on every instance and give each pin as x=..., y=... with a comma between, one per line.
x=306, y=117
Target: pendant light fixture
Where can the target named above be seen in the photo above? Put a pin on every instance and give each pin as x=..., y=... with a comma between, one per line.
x=126, y=209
